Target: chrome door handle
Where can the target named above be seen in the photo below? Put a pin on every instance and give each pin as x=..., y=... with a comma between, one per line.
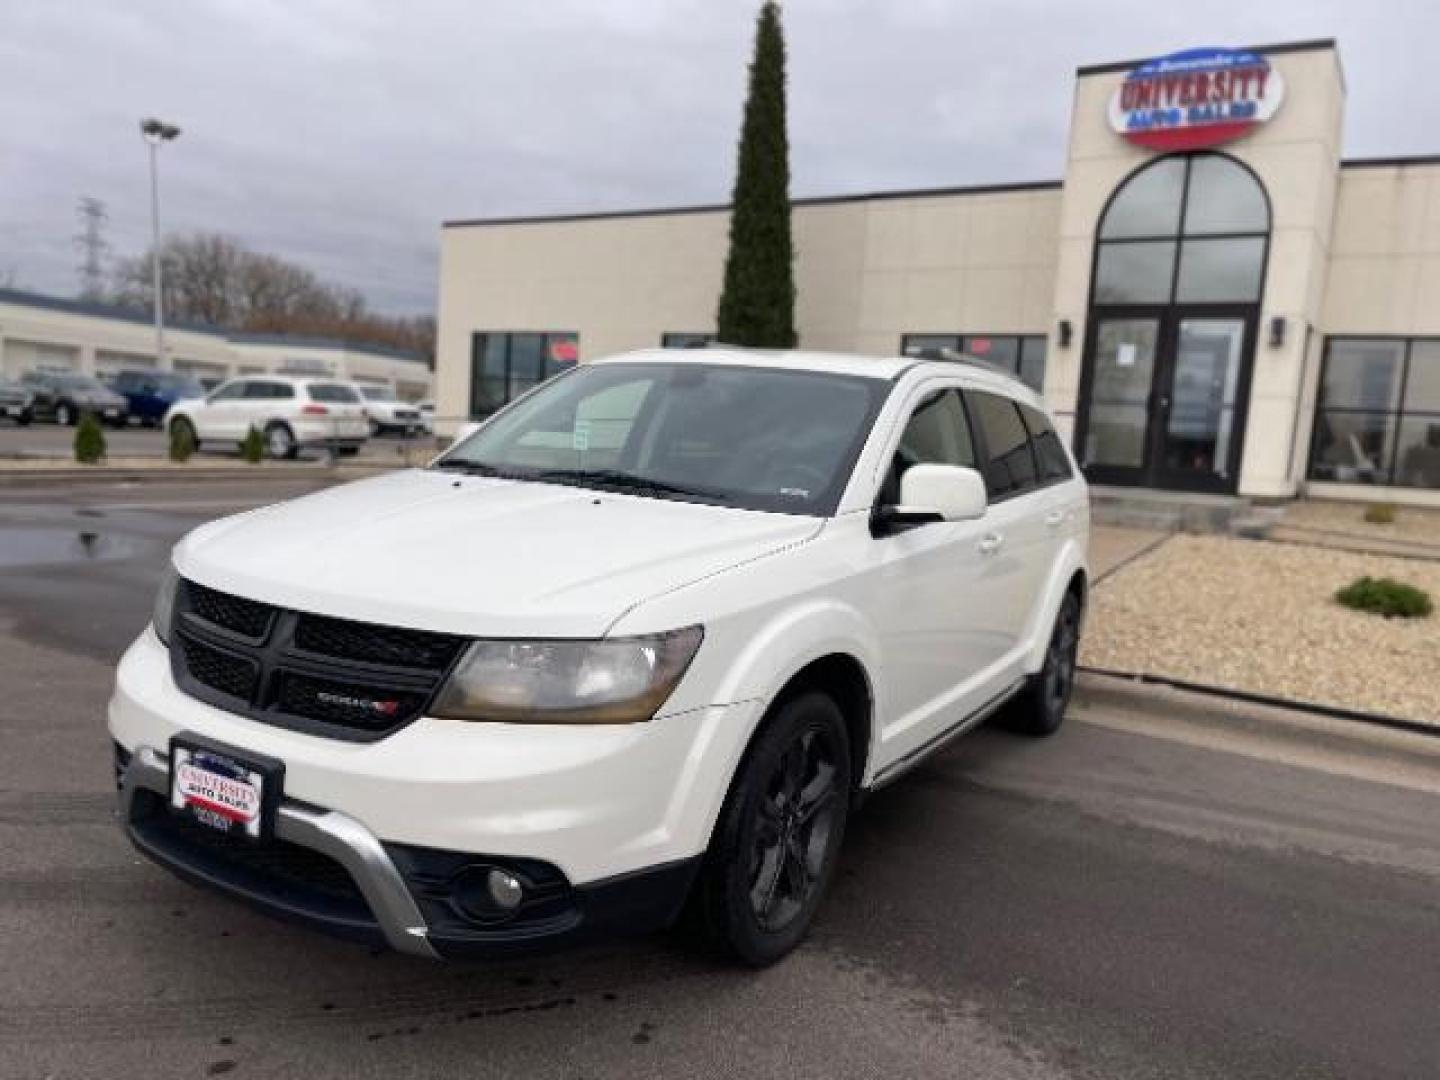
x=1054, y=518
x=990, y=543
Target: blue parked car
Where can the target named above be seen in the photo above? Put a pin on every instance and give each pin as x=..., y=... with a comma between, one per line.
x=150, y=393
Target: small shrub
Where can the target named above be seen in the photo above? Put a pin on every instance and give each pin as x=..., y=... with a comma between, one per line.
x=1380, y=514
x=1385, y=596
x=89, y=441
x=182, y=442
x=253, y=448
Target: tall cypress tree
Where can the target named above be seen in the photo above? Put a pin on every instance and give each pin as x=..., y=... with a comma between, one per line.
x=757, y=306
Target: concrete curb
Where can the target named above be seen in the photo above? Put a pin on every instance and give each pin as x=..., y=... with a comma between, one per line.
x=1131, y=690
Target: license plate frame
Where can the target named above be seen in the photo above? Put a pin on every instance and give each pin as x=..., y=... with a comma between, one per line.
x=196, y=760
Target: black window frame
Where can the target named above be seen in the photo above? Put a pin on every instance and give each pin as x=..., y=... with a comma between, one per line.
x=977, y=431
x=548, y=369
x=908, y=340
x=1395, y=415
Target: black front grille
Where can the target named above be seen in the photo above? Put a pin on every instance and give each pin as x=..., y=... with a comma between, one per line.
x=218, y=669
x=314, y=673
x=248, y=618
x=375, y=644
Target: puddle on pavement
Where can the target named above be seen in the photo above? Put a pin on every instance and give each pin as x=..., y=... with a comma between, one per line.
x=48, y=547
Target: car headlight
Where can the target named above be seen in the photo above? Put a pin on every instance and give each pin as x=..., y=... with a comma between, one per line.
x=165, y=604
x=606, y=681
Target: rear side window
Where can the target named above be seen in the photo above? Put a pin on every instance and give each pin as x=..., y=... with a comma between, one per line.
x=337, y=392
x=230, y=391
x=1009, y=467
x=1050, y=454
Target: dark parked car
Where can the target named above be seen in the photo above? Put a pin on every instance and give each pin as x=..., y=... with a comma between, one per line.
x=63, y=396
x=16, y=403
x=151, y=393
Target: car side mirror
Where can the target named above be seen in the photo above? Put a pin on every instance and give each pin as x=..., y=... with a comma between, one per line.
x=931, y=494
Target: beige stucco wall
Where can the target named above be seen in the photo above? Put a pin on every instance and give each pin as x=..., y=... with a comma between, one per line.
x=1296, y=156
x=1385, y=253
x=32, y=336
x=866, y=272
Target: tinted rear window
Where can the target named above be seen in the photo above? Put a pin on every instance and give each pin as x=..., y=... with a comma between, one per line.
x=1009, y=466
x=324, y=391
x=1049, y=451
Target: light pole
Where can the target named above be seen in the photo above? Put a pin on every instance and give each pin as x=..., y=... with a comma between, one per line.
x=156, y=132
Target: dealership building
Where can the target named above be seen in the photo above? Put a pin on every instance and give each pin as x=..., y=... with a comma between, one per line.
x=39, y=332
x=1212, y=299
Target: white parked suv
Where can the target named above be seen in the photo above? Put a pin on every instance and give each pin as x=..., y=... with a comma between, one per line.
x=289, y=412
x=387, y=412
x=642, y=640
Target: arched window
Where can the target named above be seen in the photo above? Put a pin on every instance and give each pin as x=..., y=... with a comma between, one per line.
x=1187, y=229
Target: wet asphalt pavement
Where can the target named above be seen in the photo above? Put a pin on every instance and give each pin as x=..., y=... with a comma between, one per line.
x=1152, y=893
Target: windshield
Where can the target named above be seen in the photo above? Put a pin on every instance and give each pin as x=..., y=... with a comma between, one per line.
x=377, y=393
x=758, y=438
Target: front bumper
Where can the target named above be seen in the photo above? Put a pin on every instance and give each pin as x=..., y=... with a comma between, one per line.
x=325, y=870
x=611, y=819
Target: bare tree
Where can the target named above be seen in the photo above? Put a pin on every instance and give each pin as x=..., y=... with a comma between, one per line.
x=212, y=278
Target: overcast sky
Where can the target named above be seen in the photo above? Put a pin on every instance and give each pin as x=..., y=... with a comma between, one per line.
x=340, y=133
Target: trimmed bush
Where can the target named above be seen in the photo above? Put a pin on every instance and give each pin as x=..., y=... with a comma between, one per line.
x=1386, y=596
x=1380, y=514
x=182, y=442
x=253, y=448
x=89, y=441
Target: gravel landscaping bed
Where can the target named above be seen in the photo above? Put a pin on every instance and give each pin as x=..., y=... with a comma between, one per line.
x=1260, y=617
x=1411, y=525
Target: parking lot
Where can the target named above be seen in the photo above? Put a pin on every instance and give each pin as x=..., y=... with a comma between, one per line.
x=1154, y=892
x=45, y=440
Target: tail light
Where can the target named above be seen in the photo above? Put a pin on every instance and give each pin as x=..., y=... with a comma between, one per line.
x=314, y=410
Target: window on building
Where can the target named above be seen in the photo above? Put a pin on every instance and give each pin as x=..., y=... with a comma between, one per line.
x=1021, y=355
x=685, y=339
x=1189, y=229
x=1377, y=417
x=505, y=365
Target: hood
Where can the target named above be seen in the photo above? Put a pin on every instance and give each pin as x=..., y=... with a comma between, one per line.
x=477, y=556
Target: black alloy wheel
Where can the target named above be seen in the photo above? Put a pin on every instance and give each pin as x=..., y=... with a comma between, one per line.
x=1040, y=707
x=780, y=832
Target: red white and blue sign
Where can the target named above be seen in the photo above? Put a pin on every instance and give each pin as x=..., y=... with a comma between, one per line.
x=1196, y=98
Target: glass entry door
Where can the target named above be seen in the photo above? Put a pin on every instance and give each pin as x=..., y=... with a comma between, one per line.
x=1164, y=397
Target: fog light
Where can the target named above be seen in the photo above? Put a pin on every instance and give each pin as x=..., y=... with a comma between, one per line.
x=505, y=890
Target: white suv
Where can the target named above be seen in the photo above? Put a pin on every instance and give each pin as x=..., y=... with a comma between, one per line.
x=289, y=412
x=644, y=638
x=387, y=412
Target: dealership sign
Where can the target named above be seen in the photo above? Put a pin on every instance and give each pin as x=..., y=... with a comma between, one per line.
x=1196, y=98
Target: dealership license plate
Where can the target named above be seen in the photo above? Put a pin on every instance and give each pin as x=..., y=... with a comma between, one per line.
x=219, y=790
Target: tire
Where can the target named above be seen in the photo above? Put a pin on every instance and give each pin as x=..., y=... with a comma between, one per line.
x=1040, y=707
x=376, y=429
x=24, y=418
x=65, y=414
x=280, y=442
x=348, y=451
x=773, y=853
x=180, y=423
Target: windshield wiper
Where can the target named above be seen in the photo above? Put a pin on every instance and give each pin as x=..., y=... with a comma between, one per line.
x=614, y=478
x=479, y=468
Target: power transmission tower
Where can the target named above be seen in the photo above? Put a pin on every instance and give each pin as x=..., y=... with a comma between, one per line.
x=91, y=243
